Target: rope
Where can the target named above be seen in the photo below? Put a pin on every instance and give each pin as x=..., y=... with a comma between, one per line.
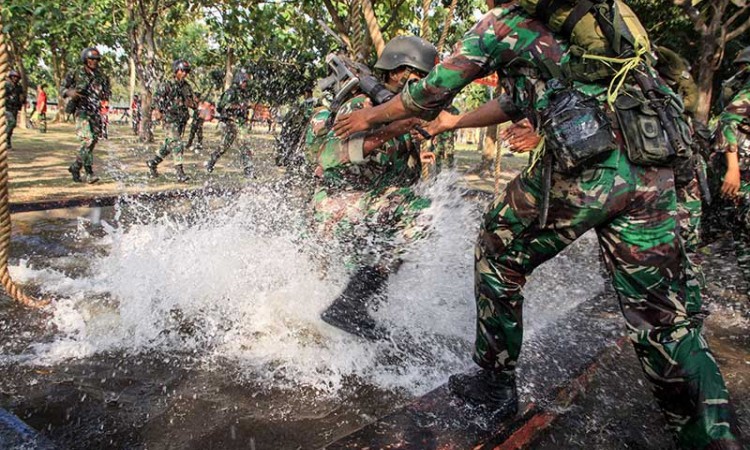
x=424, y=27
x=446, y=25
x=626, y=65
x=10, y=287
x=358, y=36
x=372, y=26
x=499, y=145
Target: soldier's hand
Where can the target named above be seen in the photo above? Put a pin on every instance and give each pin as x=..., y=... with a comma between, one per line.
x=72, y=94
x=521, y=137
x=731, y=185
x=427, y=157
x=355, y=122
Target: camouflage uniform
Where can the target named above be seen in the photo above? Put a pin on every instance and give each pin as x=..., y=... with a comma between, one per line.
x=734, y=214
x=196, y=130
x=173, y=99
x=361, y=197
x=632, y=210
x=93, y=87
x=293, y=128
x=233, y=109
x=15, y=98
x=444, y=145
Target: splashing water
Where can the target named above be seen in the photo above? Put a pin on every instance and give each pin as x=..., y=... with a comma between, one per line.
x=236, y=285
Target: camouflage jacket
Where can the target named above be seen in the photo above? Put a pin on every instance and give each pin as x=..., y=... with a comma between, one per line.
x=234, y=104
x=734, y=129
x=517, y=47
x=174, y=99
x=93, y=87
x=342, y=163
x=14, y=97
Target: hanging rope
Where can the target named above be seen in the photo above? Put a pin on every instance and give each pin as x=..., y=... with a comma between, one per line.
x=358, y=36
x=499, y=145
x=10, y=287
x=446, y=25
x=372, y=26
x=424, y=26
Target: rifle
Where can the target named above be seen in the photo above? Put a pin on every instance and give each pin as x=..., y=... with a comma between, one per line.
x=346, y=76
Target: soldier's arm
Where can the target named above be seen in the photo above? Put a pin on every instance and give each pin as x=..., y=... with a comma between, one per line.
x=476, y=55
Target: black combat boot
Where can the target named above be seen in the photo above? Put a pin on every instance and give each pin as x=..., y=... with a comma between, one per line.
x=349, y=311
x=181, y=175
x=496, y=390
x=75, y=171
x=90, y=177
x=249, y=172
x=152, y=165
x=212, y=162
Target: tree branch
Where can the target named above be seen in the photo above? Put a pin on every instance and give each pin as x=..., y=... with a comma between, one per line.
x=695, y=16
x=728, y=24
x=394, y=14
x=739, y=30
x=337, y=22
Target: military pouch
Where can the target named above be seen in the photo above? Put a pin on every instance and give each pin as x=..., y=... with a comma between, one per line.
x=576, y=130
x=645, y=137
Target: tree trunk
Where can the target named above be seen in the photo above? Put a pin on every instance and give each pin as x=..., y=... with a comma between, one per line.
x=58, y=76
x=133, y=79
x=228, y=68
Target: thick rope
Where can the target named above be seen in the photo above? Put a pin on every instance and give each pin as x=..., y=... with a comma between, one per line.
x=499, y=145
x=424, y=26
x=358, y=35
x=447, y=25
x=372, y=26
x=10, y=287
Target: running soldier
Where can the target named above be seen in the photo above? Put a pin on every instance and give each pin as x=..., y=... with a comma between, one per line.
x=15, y=98
x=85, y=89
x=233, y=109
x=173, y=101
x=601, y=184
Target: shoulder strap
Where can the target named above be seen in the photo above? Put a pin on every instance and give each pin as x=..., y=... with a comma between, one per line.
x=579, y=10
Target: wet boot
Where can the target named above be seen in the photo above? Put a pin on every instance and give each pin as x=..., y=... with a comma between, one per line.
x=75, y=171
x=495, y=390
x=248, y=172
x=152, y=165
x=212, y=162
x=90, y=177
x=181, y=175
x=349, y=311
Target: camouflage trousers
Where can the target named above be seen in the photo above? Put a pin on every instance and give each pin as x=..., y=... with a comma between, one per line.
x=632, y=210
x=444, y=148
x=11, y=121
x=173, y=142
x=196, y=133
x=373, y=227
x=240, y=133
x=87, y=131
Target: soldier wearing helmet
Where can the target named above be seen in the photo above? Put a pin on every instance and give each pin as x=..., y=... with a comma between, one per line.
x=85, y=89
x=368, y=179
x=173, y=101
x=15, y=98
x=233, y=109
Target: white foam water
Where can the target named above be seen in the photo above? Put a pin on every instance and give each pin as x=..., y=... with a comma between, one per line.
x=239, y=287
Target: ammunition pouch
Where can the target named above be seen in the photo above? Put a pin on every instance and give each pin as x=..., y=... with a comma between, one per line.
x=576, y=130
x=645, y=137
x=684, y=170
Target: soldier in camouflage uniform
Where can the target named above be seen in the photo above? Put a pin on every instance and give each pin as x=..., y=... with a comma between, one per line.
x=85, y=89
x=15, y=98
x=196, y=126
x=173, y=100
x=365, y=186
x=444, y=145
x=630, y=207
x=292, y=129
x=731, y=165
x=233, y=109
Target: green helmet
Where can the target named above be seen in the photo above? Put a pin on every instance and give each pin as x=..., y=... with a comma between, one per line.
x=90, y=53
x=14, y=73
x=240, y=76
x=743, y=57
x=409, y=51
x=181, y=64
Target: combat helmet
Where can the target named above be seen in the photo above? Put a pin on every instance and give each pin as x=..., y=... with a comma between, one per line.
x=181, y=64
x=409, y=51
x=90, y=53
x=743, y=57
x=241, y=76
x=14, y=73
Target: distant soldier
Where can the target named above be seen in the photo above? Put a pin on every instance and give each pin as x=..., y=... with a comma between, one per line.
x=41, y=107
x=85, y=89
x=135, y=113
x=174, y=99
x=293, y=126
x=444, y=145
x=196, y=127
x=15, y=98
x=233, y=109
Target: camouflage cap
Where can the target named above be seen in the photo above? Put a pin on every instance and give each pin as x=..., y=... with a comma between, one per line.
x=743, y=57
x=409, y=51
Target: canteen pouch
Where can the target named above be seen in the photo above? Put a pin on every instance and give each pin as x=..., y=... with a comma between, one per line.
x=576, y=130
x=645, y=138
